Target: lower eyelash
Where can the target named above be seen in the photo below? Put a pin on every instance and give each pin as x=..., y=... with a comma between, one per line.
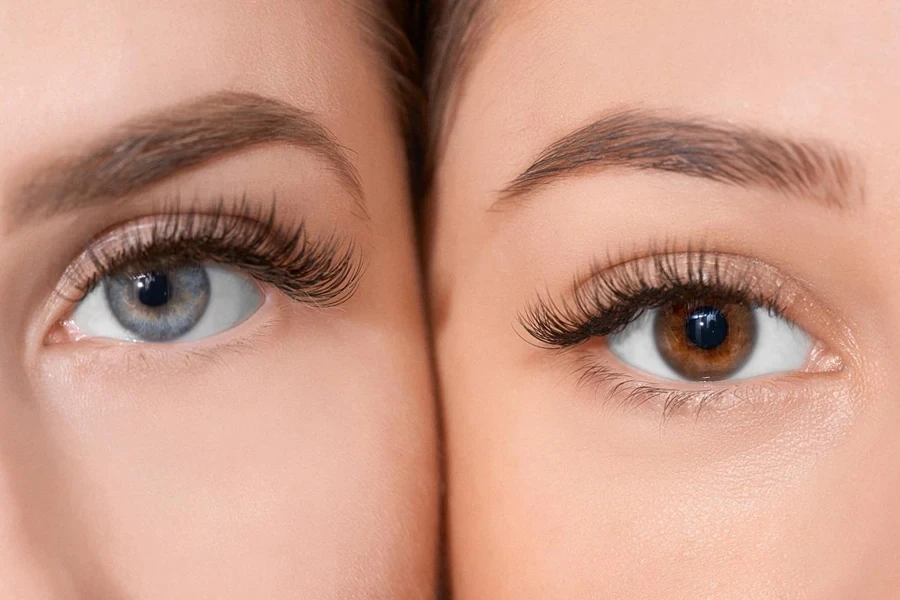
x=324, y=271
x=631, y=393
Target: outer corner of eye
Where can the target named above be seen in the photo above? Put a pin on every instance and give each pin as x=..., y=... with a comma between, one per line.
x=823, y=360
x=180, y=304
x=718, y=343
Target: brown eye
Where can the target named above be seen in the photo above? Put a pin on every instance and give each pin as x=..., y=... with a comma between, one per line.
x=705, y=341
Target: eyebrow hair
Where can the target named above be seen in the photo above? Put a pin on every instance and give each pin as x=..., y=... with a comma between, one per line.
x=645, y=140
x=152, y=148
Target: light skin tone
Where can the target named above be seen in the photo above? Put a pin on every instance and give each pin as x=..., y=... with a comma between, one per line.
x=575, y=474
x=288, y=454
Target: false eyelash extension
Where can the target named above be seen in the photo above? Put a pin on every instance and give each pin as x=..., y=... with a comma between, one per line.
x=614, y=297
x=323, y=272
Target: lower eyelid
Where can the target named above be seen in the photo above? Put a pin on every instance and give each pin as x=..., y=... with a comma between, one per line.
x=613, y=385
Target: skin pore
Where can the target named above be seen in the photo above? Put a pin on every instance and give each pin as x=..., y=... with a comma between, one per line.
x=290, y=453
x=593, y=149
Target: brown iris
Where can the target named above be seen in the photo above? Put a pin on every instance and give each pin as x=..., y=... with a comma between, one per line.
x=705, y=340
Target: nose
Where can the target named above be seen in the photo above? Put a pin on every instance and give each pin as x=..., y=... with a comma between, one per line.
x=32, y=513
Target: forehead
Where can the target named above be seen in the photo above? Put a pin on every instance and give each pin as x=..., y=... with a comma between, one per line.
x=819, y=69
x=74, y=68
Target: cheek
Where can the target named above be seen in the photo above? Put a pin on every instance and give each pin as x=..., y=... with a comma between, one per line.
x=560, y=498
x=274, y=464
x=555, y=494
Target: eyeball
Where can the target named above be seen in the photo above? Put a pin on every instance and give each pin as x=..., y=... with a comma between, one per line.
x=178, y=304
x=711, y=342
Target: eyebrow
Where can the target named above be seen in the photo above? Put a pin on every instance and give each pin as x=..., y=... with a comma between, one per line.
x=645, y=140
x=152, y=148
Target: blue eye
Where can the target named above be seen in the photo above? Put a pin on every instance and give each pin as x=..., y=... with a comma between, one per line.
x=182, y=303
x=159, y=306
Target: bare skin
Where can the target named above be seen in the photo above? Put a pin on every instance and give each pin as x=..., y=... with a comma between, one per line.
x=561, y=484
x=288, y=455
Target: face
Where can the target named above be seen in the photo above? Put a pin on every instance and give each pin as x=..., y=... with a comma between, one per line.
x=661, y=262
x=212, y=359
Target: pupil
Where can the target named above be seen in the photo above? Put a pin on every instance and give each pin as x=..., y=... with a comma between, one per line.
x=152, y=289
x=706, y=328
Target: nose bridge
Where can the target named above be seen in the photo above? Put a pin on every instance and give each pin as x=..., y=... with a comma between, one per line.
x=29, y=505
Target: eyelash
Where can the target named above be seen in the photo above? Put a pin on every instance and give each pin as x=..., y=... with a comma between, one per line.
x=323, y=272
x=614, y=297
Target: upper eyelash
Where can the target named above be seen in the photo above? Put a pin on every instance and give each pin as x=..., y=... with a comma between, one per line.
x=614, y=297
x=324, y=271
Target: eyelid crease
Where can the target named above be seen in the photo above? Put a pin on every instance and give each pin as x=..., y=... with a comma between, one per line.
x=322, y=271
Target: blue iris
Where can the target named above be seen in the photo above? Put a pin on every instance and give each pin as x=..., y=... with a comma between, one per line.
x=159, y=306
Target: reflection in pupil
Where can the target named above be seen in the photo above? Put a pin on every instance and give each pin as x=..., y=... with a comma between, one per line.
x=152, y=289
x=706, y=328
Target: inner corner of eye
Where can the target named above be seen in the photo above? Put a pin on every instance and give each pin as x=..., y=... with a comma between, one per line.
x=63, y=332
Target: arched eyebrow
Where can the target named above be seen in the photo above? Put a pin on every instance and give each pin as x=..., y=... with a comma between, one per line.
x=152, y=148
x=645, y=140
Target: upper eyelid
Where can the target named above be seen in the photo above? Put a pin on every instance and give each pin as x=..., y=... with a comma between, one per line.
x=567, y=316
x=682, y=267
